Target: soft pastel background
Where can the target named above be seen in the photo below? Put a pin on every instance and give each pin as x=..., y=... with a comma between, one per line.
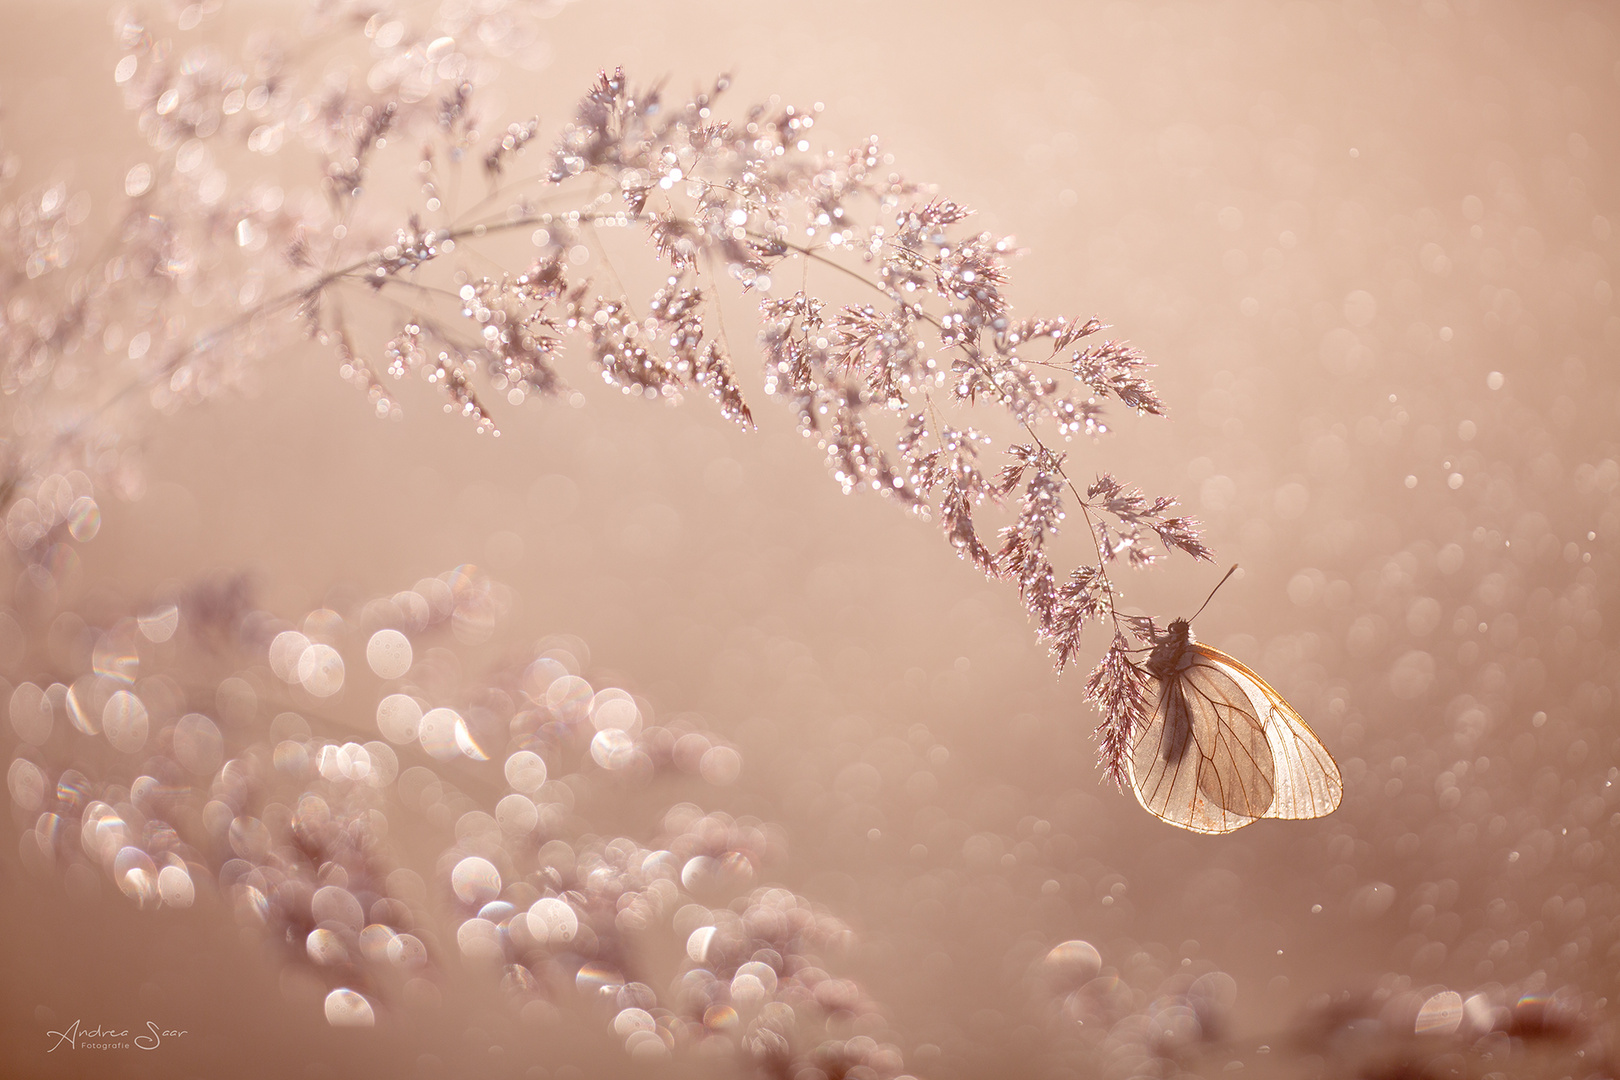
x=1370, y=247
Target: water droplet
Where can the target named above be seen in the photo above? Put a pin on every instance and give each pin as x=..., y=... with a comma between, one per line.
x=114, y=656
x=138, y=180
x=374, y=942
x=407, y=951
x=465, y=743
x=762, y=975
x=27, y=784
x=334, y=903
x=720, y=1018
x=613, y=749
x=389, y=654
x=1441, y=1015
x=1371, y=901
x=198, y=744
x=526, y=771
x=517, y=814
x=399, y=718
x=633, y=1020
x=285, y=651
x=614, y=708
x=84, y=518
x=552, y=921
x=697, y=944
x=124, y=719
x=1360, y=308
x=480, y=939
x=345, y=1008
x=325, y=947
x=31, y=714
x=1073, y=963
x=159, y=624
x=176, y=887
x=569, y=698
x=438, y=733
x=136, y=875
x=721, y=765
x=476, y=881
x=320, y=670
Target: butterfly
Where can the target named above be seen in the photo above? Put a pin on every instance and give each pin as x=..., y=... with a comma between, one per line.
x=1220, y=748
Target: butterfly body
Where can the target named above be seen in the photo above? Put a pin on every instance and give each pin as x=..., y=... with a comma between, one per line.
x=1220, y=748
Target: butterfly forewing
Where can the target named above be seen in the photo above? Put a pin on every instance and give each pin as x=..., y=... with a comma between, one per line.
x=1203, y=760
x=1306, y=777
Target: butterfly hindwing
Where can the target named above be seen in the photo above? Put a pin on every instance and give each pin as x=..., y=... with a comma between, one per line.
x=1307, y=779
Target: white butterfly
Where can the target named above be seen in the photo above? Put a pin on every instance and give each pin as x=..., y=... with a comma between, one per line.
x=1221, y=748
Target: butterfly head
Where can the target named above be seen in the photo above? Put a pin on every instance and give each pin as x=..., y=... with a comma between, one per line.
x=1169, y=647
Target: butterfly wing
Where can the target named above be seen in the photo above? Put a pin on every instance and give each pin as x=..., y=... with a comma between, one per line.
x=1204, y=759
x=1307, y=779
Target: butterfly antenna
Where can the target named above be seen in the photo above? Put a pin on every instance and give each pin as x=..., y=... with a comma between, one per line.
x=1213, y=591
